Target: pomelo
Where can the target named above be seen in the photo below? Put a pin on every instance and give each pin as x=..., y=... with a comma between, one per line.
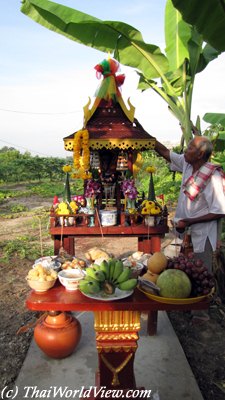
x=174, y=283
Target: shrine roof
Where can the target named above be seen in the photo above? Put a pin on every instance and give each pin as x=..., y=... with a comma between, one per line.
x=110, y=127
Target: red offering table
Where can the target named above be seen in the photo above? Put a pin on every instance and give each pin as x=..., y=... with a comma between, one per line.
x=116, y=324
x=149, y=238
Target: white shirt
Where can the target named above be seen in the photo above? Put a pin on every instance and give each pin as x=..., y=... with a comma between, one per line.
x=210, y=200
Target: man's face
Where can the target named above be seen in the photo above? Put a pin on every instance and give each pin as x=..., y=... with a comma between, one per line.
x=192, y=153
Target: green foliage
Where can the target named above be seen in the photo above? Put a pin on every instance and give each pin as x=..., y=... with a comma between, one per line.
x=17, y=167
x=47, y=189
x=197, y=12
x=216, y=131
x=164, y=180
x=22, y=247
x=17, y=208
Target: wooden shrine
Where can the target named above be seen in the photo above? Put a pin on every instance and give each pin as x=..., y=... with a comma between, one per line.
x=109, y=145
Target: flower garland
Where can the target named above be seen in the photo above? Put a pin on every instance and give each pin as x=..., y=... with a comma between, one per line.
x=81, y=142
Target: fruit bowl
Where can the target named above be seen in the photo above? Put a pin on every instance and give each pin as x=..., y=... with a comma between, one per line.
x=170, y=300
x=70, y=278
x=41, y=278
x=40, y=286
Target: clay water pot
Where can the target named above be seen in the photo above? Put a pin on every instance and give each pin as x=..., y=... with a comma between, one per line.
x=58, y=334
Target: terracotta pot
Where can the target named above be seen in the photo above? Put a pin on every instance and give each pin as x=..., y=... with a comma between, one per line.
x=58, y=334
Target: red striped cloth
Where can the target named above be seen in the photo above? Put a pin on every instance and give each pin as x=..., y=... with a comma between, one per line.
x=197, y=182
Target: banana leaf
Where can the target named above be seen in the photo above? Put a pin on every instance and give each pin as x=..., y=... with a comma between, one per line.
x=116, y=37
x=220, y=143
x=209, y=18
x=215, y=118
x=177, y=35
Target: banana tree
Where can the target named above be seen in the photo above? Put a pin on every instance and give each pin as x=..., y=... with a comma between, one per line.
x=171, y=76
x=208, y=17
x=187, y=55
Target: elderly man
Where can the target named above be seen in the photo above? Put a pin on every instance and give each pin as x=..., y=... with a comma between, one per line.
x=201, y=202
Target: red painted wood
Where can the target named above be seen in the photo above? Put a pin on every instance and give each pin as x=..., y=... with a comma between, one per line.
x=149, y=238
x=60, y=299
x=134, y=230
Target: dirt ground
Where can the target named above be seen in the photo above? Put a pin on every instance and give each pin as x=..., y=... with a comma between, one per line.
x=204, y=345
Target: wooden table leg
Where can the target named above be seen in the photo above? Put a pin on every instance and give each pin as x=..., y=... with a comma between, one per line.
x=144, y=245
x=67, y=243
x=57, y=244
x=116, y=342
x=155, y=243
x=152, y=322
x=150, y=246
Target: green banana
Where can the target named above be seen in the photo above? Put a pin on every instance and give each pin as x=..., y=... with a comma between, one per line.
x=98, y=275
x=96, y=267
x=89, y=287
x=124, y=276
x=112, y=262
x=117, y=270
x=104, y=267
x=88, y=278
x=128, y=285
x=91, y=272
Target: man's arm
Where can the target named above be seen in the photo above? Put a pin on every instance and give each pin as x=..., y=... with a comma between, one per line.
x=183, y=223
x=162, y=150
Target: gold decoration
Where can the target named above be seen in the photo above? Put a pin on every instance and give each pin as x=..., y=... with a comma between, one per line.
x=116, y=348
x=116, y=371
x=88, y=112
x=117, y=336
x=114, y=321
x=137, y=163
x=123, y=144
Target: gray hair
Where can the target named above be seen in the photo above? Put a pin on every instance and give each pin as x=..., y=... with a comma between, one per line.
x=206, y=146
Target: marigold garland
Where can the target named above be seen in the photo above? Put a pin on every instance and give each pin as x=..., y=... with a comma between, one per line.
x=81, y=142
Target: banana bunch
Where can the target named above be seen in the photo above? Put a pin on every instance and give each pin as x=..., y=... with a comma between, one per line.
x=106, y=277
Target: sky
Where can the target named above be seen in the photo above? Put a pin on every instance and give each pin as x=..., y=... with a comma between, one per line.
x=46, y=79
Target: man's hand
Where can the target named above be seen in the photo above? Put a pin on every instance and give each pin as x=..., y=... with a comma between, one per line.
x=180, y=225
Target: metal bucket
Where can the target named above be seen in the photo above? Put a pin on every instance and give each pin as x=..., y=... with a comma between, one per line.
x=108, y=217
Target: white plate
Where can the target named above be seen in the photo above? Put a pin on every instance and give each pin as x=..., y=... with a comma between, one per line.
x=119, y=294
